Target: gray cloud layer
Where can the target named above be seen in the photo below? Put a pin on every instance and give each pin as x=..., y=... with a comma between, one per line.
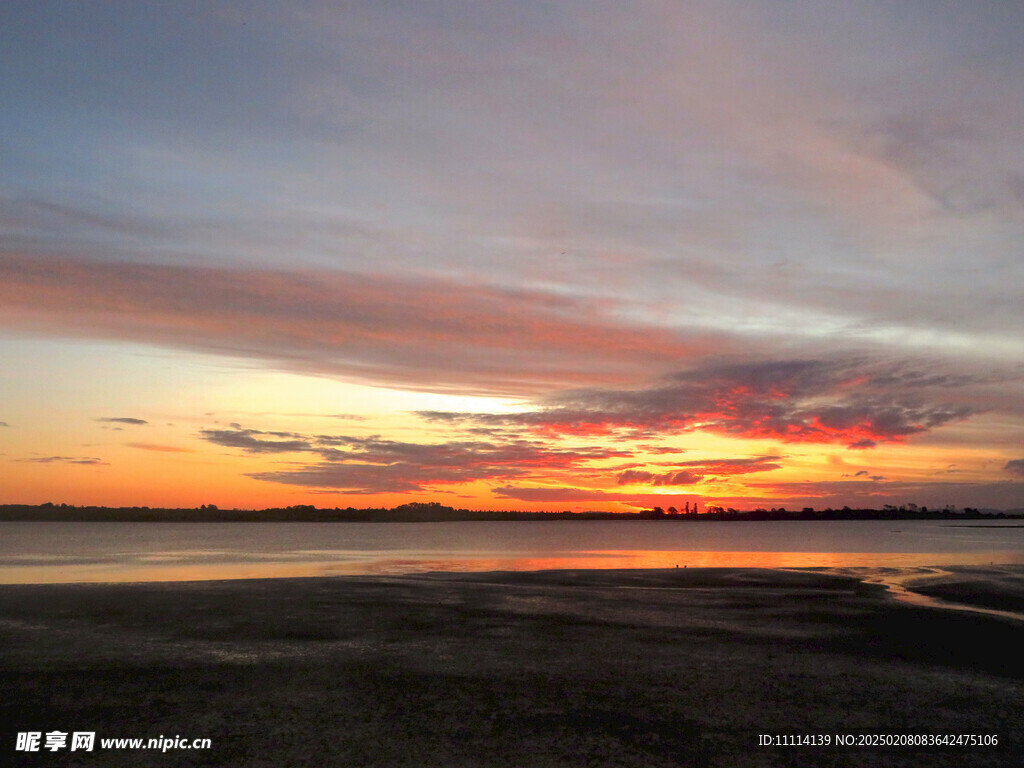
x=375, y=465
x=84, y=460
x=854, y=401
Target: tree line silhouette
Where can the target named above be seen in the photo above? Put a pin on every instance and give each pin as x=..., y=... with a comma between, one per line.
x=425, y=512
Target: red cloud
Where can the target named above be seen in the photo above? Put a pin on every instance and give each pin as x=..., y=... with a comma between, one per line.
x=816, y=401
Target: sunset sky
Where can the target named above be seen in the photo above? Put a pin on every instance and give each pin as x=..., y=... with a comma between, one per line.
x=512, y=255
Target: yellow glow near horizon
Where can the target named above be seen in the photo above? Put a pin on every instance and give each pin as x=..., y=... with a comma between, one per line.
x=60, y=449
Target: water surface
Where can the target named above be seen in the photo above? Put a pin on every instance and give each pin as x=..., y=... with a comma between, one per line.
x=103, y=552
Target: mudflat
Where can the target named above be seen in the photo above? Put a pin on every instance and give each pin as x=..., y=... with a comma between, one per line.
x=681, y=667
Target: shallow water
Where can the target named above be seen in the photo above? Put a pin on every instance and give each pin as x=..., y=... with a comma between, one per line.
x=105, y=552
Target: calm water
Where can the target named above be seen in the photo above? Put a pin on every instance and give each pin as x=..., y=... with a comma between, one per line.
x=67, y=552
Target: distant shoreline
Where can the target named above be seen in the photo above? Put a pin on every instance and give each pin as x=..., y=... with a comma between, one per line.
x=433, y=512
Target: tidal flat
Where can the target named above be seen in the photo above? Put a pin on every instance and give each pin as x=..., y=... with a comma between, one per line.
x=679, y=667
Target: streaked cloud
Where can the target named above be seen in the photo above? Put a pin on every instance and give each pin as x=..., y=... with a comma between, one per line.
x=732, y=466
x=84, y=460
x=425, y=334
x=158, y=448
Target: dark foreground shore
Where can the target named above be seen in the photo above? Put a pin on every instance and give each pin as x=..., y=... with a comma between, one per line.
x=686, y=667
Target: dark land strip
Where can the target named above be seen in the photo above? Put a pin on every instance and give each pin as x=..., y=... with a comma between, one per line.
x=683, y=667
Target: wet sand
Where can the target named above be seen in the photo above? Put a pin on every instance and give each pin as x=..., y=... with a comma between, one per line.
x=682, y=667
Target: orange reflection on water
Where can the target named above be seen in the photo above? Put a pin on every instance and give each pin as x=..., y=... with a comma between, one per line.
x=391, y=563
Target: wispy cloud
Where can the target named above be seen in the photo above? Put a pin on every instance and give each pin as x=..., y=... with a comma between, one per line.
x=85, y=460
x=157, y=447
x=123, y=420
